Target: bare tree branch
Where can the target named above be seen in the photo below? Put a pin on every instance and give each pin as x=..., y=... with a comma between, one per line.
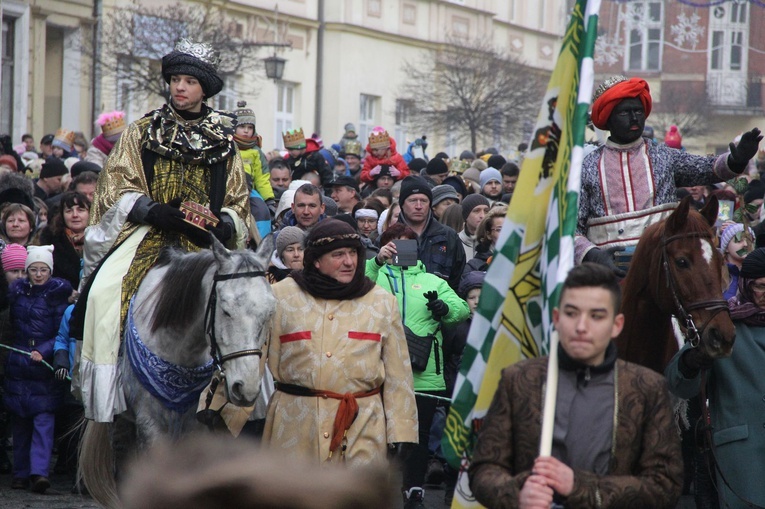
x=137, y=36
x=472, y=89
x=686, y=108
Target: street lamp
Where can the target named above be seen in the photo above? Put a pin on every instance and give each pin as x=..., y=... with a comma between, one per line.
x=274, y=67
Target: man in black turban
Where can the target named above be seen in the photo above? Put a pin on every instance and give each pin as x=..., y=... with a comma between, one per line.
x=181, y=153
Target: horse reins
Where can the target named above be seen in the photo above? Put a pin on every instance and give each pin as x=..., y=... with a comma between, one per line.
x=212, y=302
x=693, y=336
x=692, y=333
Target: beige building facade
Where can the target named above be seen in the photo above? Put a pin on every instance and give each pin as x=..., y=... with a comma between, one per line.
x=346, y=64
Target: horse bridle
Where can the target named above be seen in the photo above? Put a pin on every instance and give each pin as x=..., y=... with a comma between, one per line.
x=212, y=301
x=692, y=333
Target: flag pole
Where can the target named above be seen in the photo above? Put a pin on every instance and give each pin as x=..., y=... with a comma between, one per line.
x=551, y=393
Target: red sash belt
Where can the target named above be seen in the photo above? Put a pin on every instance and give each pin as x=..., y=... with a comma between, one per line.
x=346, y=412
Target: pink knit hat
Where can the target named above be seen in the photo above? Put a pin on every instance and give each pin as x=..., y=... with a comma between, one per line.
x=14, y=256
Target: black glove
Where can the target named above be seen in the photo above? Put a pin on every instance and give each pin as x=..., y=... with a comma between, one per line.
x=693, y=361
x=605, y=257
x=223, y=232
x=745, y=150
x=61, y=373
x=438, y=309
x=167, y=216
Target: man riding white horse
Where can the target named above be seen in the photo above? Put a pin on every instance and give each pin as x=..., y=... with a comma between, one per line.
x=630, y=183
x=182, y=152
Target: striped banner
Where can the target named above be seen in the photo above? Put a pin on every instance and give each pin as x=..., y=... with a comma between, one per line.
x=535, y=249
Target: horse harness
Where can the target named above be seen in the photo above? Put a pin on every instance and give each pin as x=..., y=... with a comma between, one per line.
x=692, y=333
x=218, y=358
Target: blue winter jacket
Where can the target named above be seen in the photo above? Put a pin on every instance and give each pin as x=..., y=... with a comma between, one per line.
x=36, y=312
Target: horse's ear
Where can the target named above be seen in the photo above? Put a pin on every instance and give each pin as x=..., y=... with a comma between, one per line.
x=219, y=250
x=710, y=209
x=265, y=250
x=676, y=221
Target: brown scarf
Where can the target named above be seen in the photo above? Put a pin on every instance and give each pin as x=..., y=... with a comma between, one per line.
x=77, y=240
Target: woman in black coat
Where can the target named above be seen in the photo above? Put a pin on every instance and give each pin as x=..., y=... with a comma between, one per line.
x=66, y=232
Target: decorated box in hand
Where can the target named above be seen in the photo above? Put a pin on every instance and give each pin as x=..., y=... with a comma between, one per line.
x=198, y=215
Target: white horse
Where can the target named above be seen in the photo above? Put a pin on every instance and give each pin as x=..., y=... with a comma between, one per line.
x=192, y=313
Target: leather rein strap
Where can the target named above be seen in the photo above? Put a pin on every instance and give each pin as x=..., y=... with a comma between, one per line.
x=692, y=333
x=212, y=301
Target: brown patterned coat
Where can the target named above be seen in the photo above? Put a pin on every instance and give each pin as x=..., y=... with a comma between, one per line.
x=341, y=346
x=645, y=471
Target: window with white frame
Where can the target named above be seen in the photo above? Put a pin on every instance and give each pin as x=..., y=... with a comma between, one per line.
x=644, y=35
x=367, y=115
x=226, y=98
x=404, y=108
x=6, y=88
x=285, y=110
x=729, y=37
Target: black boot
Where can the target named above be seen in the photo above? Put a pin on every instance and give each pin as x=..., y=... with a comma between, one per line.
x=413, y=498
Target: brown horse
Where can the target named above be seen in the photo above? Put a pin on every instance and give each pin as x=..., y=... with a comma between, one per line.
x=676, y=270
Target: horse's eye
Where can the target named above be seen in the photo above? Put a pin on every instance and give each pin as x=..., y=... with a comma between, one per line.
x=682, y=263
x=228, y=315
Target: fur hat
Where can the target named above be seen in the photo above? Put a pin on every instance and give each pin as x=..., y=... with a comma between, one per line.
x=414, y=185
x=42, y=254
x=14, y=257
x=287, y=236
x=194, y=59
x=472, y=201
x=488, y=175
x=436, y=166
x=53, y=167
x=443, y=192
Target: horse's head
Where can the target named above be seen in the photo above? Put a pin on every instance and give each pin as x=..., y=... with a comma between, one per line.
x=240, y=317
x=690, y=277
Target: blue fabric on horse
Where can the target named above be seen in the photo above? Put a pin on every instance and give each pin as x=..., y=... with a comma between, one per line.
x=176, y=387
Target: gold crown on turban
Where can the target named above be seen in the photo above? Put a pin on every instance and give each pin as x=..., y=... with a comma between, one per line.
x=610, y=82
x=200, y=50
x=294, y=138
x=379, y=140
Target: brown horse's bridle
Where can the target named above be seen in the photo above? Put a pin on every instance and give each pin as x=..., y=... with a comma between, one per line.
x=692, y=333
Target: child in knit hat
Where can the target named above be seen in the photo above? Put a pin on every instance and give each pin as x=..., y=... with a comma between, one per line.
x=262, y=202
x=32, y=395
x=14, y=259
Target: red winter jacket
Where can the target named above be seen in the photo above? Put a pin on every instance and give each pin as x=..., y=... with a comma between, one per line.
x=395, y=160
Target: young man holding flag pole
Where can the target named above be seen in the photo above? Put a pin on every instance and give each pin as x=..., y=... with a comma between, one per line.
x=534, y=253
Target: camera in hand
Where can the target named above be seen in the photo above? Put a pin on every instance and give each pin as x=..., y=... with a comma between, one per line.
x=406, y=253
